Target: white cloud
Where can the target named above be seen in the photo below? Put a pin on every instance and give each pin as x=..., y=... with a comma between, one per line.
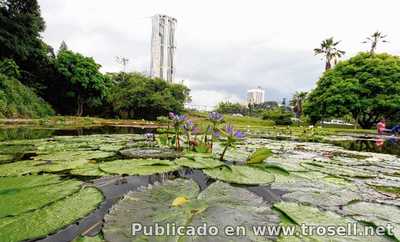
x=224, y=46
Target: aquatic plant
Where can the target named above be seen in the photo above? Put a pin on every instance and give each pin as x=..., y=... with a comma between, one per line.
x=232, y=136
x=177, y=122
x=216, y=119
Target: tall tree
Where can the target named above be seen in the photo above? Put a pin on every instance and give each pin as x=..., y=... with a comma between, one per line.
x=20, y=27
x=374, y=39
x=297, y=103
x=63, y=46
x=330, y=52
x=82, y=80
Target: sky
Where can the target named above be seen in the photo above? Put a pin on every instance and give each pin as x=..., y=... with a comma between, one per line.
x=224, y=47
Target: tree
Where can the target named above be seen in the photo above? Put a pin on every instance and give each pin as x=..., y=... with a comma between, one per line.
x=366, y=86
x=279, y=115
x=231, y=108
x=297, y=103
x=374, y=39
x=63, y=47
x=81, y=81
x=330, y=52
x=144, y=97
x=21, y=24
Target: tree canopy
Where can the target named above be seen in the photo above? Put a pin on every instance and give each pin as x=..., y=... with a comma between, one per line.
x=81, y=80
x=365, y=86
x=143, y=97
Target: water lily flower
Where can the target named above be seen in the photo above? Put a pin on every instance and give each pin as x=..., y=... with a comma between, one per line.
x=215, y=117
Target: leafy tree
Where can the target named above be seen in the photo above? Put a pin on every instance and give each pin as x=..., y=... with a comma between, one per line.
x=20, y=27
x=365, y=86
x=374, y=39
x=10, y=68
x=297, y=103
x=279, y=115
x=231, y=108
x=144, y=97
x=330, y=52
x=81, y=81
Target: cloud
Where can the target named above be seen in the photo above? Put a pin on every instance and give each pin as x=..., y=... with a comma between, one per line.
x=224, y=47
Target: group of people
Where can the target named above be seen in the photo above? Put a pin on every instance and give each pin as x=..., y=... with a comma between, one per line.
x=381, y=128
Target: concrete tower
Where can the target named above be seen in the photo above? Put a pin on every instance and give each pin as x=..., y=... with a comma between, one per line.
x=163, y=47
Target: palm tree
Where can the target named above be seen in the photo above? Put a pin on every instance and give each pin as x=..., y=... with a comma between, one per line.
x=297, y=103
x=330, y=51
x=374, y=39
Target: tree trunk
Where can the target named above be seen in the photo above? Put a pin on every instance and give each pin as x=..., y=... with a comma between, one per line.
x=79, y=111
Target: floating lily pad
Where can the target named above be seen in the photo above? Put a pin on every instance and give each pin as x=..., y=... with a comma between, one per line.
x=240, y=175
x=88, y=170
x=150, y=153
x=16, y=201
x=311, y=216
x=377, y=214
x=259, y=156
x=18, y=183
x=51, y=218
x=138, y=167
x=338, y=170
x=219, y=205
x=199, y=163
x=97, y=238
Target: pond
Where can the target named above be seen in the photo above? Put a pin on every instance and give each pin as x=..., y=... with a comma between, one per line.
x=93, y=184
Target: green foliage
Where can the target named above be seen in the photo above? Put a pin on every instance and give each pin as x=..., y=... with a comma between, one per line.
x=19, y=101
x=143, y=97
x=231, y=108
x=259, y=156
x=365, y=86
x=9, y=68
x=83, y=82
x=279, y=115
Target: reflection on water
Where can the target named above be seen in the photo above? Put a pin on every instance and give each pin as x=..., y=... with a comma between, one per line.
x=40, y=133
x=387, y=146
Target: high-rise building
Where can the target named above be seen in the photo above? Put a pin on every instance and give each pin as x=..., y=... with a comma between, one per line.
x=255, y=96
x=163, y=47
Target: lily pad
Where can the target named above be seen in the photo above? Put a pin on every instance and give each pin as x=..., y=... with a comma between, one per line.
x=377, y=214
x=240, y=175
x=47, y=220
x=312, y=216
x=16, y=201
x=219, y=205
x=88, y=170
x=259, y=156
x=199, y=163
x=338, y=170
x=150, y=153
x=17, y=183
x=138, y=167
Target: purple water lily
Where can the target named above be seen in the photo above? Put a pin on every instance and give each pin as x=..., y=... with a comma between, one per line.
x=215, y=117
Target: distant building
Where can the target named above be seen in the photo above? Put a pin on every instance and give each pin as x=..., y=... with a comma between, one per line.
x=163, y=47
x=255, y=96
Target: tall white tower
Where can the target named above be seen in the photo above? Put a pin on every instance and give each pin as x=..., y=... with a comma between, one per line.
x=163, y=47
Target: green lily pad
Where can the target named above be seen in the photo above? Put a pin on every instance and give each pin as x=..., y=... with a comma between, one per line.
x=97, y=238
x=16, y=201
x=375, y=213
x=312, y=216
x=338, y=170
x=88, y=170
x=49, y=219
x=149, y=153
x=18, y=183
x=199, y=163
x=138, y=167
x=259, y=156
x=240, y=175
x=219, y=205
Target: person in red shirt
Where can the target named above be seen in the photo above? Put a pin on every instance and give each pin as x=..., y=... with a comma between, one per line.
x=381, y=126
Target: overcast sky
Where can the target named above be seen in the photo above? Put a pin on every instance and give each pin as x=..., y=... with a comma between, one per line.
x=224, y=47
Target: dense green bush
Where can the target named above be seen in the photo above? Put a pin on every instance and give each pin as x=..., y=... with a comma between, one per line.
x=279, y=115
x=143, y=97
x=19, y=101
